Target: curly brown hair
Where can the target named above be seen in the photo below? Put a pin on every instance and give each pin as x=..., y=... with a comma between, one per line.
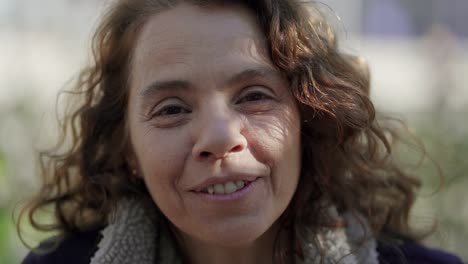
x=347, y=157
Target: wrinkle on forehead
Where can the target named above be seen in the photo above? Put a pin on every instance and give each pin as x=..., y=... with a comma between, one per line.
x=211, y=43
x=176, y=32
x=207, y=67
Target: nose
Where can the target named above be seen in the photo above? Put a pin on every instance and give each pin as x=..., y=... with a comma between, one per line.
x=218, y=135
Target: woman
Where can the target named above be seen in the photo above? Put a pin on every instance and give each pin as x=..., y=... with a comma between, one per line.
x=225, y=132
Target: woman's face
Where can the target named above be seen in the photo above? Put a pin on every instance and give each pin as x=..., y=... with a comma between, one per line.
x=214, y=128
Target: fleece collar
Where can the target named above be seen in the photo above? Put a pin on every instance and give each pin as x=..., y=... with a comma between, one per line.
x=135, y=235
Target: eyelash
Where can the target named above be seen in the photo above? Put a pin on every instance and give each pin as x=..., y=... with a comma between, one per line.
x=244, y=99
x=255, y=93
x=170, y=107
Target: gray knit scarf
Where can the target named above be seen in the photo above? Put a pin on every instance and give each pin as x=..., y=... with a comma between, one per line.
x=135, y=235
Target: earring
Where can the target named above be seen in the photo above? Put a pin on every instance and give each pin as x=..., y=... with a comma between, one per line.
x=134, y=172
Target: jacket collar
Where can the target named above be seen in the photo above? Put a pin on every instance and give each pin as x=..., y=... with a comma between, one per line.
x=136, y=235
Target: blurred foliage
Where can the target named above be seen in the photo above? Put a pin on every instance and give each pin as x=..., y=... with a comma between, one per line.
x=6, y=255
x=444, y=174
x=6, y=226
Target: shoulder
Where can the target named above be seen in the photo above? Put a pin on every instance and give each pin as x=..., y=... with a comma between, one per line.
x=412, y=252
x=77, y=249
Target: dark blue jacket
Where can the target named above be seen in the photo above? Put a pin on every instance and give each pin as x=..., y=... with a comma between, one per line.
x=80, y=249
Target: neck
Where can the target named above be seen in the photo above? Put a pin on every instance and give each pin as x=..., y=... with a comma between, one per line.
x=258, y=251
x=250, y=254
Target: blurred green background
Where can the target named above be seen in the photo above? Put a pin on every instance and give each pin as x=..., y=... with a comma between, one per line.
x=418, y=55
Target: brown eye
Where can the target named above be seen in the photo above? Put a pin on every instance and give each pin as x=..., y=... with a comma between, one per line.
x=171, y=110
x=254, y=96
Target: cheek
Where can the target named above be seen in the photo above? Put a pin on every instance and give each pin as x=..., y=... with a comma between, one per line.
x=276, y=139
x=160, y=157
x=276, y=142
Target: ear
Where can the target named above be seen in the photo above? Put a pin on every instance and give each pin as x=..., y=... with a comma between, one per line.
x=132, y=161
x=129, y=153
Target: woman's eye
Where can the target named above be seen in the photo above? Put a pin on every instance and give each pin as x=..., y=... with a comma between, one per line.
x=170, y=110
x=254, y=96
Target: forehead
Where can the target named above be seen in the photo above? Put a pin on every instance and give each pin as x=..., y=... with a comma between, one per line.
x=187, y=33
x=187, y=20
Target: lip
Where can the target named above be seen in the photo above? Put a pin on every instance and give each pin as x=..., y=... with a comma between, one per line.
x=241, y=195
x=223, y=179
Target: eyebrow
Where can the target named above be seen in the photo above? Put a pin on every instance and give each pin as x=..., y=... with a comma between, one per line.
x=165, y=86
x=249, y=74
x=185, y=85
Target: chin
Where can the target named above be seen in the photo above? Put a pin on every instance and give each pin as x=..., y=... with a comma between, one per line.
x=233, y=233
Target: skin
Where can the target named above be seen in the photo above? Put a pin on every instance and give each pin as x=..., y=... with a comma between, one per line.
x=205, y=123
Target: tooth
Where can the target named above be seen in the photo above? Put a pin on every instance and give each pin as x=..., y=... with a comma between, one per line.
x=218, y=189
x=230, y=187
x=210, y=189
x=240, y=184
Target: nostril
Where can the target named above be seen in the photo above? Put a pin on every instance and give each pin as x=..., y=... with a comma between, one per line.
x=204, y=154
x=237, y=148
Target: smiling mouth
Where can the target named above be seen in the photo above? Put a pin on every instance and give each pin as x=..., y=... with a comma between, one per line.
x=226, y=188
